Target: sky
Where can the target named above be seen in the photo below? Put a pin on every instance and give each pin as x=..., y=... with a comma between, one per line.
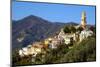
x=53, y=12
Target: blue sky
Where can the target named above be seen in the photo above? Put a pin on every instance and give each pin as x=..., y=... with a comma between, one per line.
x=53, y=12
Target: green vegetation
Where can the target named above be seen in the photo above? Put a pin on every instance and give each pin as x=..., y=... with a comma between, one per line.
x=79, y=29
x=80, y=52
x=69, y=29
x=66, y=29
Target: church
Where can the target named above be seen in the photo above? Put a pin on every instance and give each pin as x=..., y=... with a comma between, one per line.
x=86, y=32
x=77, y=36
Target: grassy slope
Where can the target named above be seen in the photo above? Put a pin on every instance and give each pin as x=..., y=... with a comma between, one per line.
x=80, y=52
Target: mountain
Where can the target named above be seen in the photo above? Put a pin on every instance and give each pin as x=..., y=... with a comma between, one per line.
x=33, y=28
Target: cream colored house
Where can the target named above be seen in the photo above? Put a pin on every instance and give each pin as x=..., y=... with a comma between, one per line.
x=67, y=37
x=85, y=33
x=54, y=43
x=30, y=50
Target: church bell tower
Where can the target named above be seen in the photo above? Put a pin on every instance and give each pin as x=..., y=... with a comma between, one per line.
x=83, y=20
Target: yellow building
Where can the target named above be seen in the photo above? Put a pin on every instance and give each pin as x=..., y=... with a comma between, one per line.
x=47, y=41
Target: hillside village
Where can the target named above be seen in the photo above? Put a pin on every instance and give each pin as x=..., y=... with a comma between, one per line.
x=78, y=34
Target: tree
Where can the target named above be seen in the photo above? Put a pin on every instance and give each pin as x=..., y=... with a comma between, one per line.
x=72, y=29
x=66, y=29
x=80, y=29
x=69, y=29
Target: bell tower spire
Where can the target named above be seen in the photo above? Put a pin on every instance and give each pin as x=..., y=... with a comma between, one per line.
x=83, y=20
